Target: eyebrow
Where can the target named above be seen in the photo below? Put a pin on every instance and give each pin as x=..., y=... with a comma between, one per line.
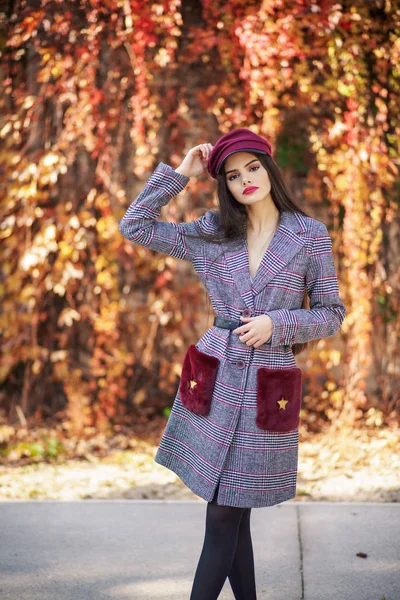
x=249, y=163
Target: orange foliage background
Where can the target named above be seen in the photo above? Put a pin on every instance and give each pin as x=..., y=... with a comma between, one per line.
x=94, y=94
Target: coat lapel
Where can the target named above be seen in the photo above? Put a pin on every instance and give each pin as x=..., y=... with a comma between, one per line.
x=287, y=241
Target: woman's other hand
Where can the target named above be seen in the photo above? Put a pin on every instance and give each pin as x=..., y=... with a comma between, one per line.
x=256, y=331
x=195, y=161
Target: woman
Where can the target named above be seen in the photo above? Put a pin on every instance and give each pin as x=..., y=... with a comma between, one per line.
x=232, y=434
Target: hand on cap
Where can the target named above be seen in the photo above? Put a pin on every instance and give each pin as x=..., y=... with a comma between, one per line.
x=195, y=161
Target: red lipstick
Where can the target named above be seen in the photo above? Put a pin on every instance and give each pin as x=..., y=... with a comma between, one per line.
x=250, y=190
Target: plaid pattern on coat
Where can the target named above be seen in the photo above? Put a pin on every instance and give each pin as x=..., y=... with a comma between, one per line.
x=253, y=467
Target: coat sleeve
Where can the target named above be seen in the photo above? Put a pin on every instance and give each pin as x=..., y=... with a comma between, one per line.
x=140, y=225
x=327, y=311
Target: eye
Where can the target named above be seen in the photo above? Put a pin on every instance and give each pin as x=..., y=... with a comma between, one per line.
x=230, y=178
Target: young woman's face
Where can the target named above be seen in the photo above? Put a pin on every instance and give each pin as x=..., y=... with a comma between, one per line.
x=242, y=171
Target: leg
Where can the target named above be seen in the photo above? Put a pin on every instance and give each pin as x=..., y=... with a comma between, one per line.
x=241, y=575
x=221, y=533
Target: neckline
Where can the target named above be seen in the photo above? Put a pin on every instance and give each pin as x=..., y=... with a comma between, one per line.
x=244, y=237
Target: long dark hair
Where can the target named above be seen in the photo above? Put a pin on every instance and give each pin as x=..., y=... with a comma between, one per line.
x=233, y=216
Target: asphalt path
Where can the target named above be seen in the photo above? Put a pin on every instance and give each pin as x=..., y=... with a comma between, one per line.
x=148, y=549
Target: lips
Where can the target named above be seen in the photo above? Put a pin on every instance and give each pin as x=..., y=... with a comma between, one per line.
x=250, y=190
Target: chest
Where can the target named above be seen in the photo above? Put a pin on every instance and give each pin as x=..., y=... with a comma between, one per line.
x=256, y=248
x=261, y=273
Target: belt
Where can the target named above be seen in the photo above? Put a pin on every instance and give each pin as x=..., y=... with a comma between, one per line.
x=226, y=323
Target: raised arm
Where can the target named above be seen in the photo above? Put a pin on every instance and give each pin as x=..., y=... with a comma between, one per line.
x=140, y=225
x=326, y=312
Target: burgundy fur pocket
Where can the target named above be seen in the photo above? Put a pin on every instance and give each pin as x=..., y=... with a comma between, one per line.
x=279, y=397
x=196, y=386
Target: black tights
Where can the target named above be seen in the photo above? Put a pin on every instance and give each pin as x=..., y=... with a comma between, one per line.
x=227, y=552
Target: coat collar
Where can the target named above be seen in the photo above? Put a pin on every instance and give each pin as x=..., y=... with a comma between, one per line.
x=287, y=241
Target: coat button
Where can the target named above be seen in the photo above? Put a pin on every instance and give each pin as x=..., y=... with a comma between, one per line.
x=246, y=312
x=240, y=364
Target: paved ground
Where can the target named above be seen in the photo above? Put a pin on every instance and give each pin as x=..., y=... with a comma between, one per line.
x=143, y=549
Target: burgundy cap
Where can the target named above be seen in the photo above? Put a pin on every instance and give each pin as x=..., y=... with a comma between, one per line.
x=235, y=141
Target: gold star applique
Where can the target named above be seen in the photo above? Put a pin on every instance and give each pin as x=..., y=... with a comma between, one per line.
x=192, y=383
x=282, y=403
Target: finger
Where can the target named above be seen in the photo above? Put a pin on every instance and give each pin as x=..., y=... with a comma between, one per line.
x=246, y=337
x=207, y=151
x=241, y=329
x=252, y=341
x=201, y=153
x=204, y=151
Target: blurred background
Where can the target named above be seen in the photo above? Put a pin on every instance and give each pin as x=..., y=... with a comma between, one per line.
x=95, y=93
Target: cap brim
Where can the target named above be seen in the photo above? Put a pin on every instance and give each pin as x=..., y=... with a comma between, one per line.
x=241, y=150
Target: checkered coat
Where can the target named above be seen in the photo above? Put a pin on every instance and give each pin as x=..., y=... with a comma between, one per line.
x=253, y=467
